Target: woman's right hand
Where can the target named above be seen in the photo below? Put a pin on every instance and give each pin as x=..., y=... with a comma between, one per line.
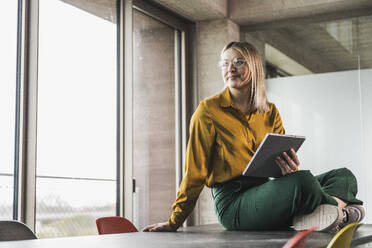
x=159, y=227
x=289, y=164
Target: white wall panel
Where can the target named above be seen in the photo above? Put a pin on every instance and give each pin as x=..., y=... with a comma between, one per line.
x=333, y=111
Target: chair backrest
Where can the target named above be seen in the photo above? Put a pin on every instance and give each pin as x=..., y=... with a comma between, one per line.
x=299, y=240
x=15, y=230
x=114, y=224
x=343, y=237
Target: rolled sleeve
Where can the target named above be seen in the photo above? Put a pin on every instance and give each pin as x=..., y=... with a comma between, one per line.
x=198, y=153
x=278, y=124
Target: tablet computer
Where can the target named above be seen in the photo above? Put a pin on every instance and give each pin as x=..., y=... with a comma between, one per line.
x=263, y=163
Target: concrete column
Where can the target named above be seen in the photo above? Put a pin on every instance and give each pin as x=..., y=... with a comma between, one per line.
x=212, y=36
x=256, y=39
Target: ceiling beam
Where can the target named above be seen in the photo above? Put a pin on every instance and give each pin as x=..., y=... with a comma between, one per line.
x=297, y=49
x=196, y=10
x=263, y=14
x=105, y=9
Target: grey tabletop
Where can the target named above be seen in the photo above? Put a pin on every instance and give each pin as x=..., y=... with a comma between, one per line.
x=198, y=236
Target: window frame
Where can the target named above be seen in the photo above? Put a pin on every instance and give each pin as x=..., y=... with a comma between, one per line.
x=26, y=101
x=26, y=111
x=184, y=35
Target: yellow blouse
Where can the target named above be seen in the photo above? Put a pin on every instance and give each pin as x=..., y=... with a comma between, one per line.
x=221, y=143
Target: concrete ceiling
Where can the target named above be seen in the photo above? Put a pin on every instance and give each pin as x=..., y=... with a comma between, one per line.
x=296, y=28
x=263, y=14
x=254, y=14
x=197, y=10
x=105, y=9
x=325, y=47
x=249, y=14
x=299, y=29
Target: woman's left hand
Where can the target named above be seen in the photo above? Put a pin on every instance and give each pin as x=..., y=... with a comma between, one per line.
x=288, y=164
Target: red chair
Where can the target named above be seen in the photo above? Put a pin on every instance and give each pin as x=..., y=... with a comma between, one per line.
x=299, y=240
x=114, y=224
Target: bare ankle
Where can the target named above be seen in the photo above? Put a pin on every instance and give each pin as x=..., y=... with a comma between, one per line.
x=341, y=204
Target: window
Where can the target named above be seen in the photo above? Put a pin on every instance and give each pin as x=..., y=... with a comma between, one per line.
x=8, y=51
x=71, y=120
x=76, y=143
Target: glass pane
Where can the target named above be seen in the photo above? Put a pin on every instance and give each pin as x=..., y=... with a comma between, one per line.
x=69, y=207
x=76, y=117
x=331, y=105
x=8, y=56
x=154, y=119
x=339, y=45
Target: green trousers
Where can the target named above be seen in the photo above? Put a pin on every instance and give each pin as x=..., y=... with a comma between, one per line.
x=252, y=203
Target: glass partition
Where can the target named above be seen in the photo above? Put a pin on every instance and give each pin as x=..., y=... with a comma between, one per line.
x=320, y=79
x=313, y=48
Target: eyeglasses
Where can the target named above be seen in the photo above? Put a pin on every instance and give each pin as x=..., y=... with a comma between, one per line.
x=237, y=62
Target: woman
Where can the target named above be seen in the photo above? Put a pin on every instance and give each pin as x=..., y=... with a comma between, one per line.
x=225, y=131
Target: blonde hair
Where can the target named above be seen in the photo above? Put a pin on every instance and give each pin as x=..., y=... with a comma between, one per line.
x=253, y=59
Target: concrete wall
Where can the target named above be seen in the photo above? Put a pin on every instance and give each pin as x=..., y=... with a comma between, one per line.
x=212, y=36
x=256, y=39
